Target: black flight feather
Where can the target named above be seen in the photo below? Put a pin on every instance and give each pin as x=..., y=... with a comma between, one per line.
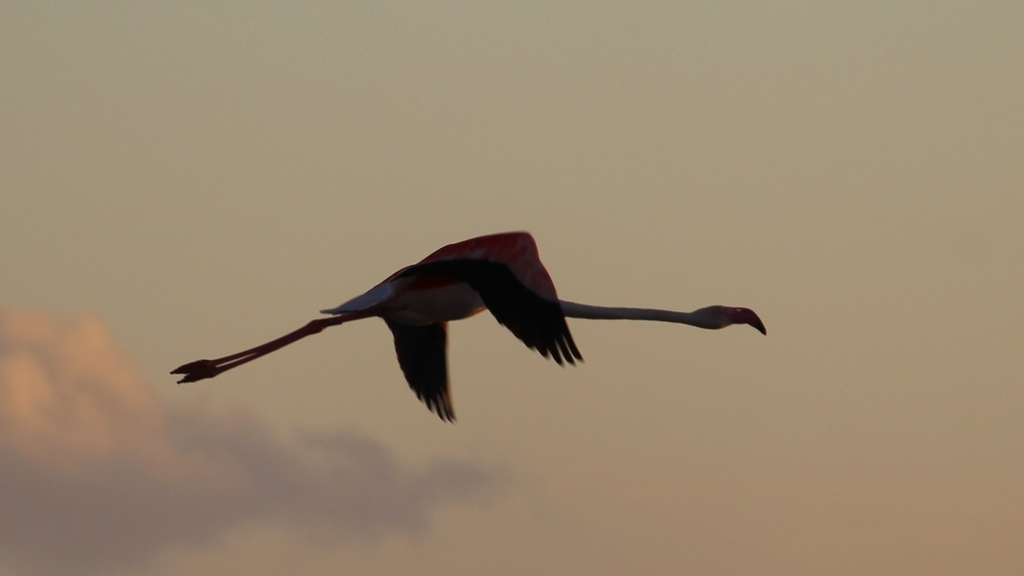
x=422, y=354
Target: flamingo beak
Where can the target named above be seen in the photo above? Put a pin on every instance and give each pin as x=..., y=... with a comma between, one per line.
x=748, y=316
x=756, y=323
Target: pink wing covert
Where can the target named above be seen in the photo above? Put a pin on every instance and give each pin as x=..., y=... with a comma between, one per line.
x=518, y=250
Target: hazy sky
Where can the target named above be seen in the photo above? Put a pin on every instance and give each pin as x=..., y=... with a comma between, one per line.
x=181, y=181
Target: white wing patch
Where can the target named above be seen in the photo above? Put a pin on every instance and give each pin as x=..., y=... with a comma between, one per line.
x=373, y=297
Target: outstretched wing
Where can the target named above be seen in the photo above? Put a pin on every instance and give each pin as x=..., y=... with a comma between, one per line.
x=517, y=250
x=538, y=321
x=422, y=354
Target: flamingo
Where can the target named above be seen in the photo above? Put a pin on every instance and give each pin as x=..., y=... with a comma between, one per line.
x=500, y=272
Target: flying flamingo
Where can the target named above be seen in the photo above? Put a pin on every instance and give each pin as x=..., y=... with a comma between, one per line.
x=500, y=272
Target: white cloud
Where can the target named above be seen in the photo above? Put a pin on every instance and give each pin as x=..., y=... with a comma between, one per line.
x=98, y=471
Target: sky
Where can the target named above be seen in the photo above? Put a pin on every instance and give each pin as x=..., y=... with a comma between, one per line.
x=180, y=181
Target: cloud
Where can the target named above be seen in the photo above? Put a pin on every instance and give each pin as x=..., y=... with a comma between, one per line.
x=97, y=471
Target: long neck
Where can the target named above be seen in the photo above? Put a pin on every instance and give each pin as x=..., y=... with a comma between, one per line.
x=576, y=310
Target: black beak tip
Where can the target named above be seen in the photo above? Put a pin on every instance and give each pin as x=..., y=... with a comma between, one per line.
x=760, y=327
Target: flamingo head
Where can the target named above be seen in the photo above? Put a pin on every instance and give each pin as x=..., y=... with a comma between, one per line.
x=722, y=316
